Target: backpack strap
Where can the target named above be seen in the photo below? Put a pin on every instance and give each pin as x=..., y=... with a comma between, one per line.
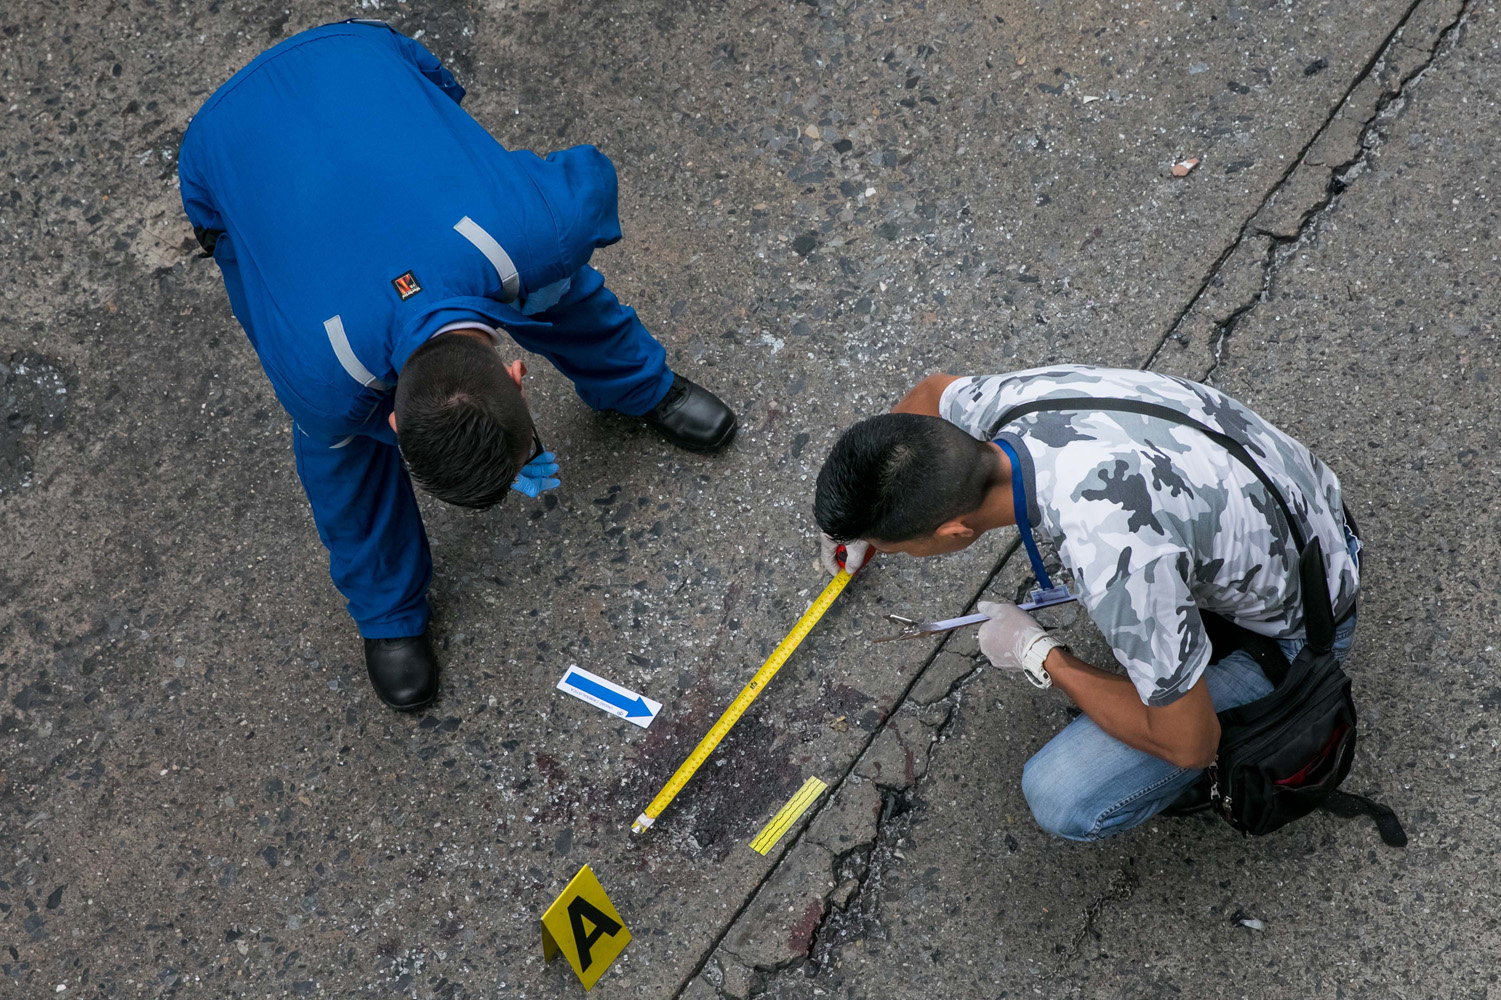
x=1224, y=440
x=1318, y=616
x=1226, y=637
x=1347, y=805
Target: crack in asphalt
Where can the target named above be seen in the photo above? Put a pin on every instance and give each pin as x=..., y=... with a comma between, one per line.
x=1372, y=66
x=1122, y=886
x=1373, y=132
x=861, y=915
x=865, y=863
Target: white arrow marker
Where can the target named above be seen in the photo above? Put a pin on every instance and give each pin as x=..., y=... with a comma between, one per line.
x=609, y=696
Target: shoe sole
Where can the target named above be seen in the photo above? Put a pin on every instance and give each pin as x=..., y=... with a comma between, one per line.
x=415, y=707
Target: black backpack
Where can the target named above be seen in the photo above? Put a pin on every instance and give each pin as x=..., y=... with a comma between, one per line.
x=1283, y=755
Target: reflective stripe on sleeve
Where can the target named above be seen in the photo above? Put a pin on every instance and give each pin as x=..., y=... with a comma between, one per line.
x=510, y=281
x=340, y=342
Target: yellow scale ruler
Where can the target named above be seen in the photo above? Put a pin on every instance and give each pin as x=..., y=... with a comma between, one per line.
x=787, y=815
x=742, y=701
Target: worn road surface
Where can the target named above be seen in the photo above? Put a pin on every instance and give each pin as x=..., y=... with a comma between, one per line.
x=822, y=202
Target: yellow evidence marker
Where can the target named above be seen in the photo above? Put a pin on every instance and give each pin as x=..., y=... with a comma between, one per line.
x=788, y=815
x=583, y=925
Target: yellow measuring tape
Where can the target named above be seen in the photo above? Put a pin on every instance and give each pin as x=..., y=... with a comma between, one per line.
x=742, y=701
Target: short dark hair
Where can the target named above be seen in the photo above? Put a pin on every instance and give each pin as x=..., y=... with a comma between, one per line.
x=463, y=428
x=900, y=476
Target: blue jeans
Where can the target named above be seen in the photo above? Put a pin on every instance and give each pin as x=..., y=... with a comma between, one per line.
x=1085, y=784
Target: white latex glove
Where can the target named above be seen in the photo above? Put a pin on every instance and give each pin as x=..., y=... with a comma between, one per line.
x=1008, y=635
x=856, y=554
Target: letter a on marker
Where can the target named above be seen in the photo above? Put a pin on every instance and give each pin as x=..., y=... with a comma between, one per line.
x=580, y=912
x=583, y=925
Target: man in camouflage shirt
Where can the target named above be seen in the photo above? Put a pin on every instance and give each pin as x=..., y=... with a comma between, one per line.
x=1155, y=523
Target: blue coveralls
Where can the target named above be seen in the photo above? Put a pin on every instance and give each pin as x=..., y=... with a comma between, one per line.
x=343, y=173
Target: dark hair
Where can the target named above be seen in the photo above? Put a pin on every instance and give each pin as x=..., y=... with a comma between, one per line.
x=900, y=476
x=463, y=427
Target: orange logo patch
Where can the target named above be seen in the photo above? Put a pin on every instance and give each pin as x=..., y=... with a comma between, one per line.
x=406, y=285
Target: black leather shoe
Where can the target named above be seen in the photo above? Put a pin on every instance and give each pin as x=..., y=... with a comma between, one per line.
x=692, y=417
x=403, y=671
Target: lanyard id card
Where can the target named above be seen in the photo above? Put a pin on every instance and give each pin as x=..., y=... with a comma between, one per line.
x=1047, y=593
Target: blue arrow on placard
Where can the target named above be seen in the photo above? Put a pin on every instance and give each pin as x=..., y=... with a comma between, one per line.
x=633, y=709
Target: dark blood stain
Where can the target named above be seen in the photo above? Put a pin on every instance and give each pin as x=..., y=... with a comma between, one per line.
x=746, y=775
x=835, y=700
x=552, y=772
x=737, y=787
x=844, y=699
x=801, y=940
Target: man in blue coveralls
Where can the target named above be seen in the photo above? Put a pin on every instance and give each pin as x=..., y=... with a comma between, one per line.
x=374, y=239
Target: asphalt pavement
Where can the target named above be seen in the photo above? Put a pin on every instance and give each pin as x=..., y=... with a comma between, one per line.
x=822, y=202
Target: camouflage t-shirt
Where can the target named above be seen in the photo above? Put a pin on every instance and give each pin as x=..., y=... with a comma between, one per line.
x=1154, y=520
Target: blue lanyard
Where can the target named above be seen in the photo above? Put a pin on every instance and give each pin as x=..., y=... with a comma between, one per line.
x=1046, y=593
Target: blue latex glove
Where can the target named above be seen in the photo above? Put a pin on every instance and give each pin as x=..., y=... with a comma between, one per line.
x=538, y=475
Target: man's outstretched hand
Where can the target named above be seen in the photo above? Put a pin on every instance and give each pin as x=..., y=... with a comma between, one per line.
x=856, y=554
x=1009, y=633
x=538, y=475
